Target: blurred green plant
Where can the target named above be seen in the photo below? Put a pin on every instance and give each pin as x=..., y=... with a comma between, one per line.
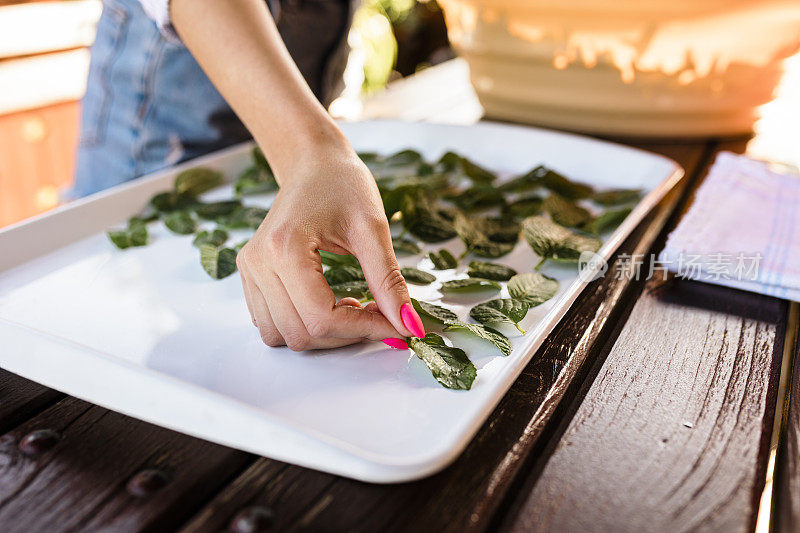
x=396, y=34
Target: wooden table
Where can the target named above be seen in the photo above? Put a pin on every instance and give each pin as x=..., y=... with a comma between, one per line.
x=656, y=406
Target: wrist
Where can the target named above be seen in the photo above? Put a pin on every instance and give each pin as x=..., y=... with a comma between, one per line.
x=318, y=143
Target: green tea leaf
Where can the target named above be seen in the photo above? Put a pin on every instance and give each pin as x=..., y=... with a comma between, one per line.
x=443, y=259
x=532, y=288
x=165, y=202
x=476, y=173
x=524, y=207
x=333, y=260
x=180, y=222
x=543, y=235
x=422, y=219
x=484, y=332
x=500, y=229
x=566, y=212
x=213, y=210
x=243, y=217
x=254, y=180
x=504, y=310
x=196, y=181
x=492, y=250
x=416, y=276
x=559, y=184
x=218, y=237
x=435, y=312
x=494, y=271
x=343, y=274
x=134, y=235
x=403, y=157
x=449, y=161
x=617, y=196
x=241, y=245
x=573, y=246
x=368, y=157
x=401, y=244
x=608, y=220
x=217, y=262
x=356, y=289
x=472, y=234
x=477, y=197
x=449, y=365
x=526, y=182
x=470, y=285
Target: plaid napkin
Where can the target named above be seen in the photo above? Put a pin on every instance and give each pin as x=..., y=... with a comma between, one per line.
x=742, y=231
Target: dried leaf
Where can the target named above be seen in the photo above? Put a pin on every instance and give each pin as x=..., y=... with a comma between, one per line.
x=443, y=259
x=196, y=181
x=450, y=366
x=217, y=262
x=504, y=310
x=214, y=210
x=608, y=220
x=566, y=212
x=470, y=285
x=484, y=332
x=435, y=312
x=180, y=222
x=333, y=260
x=494, y=271
x=217, y=237
x=417, y=276
x=532, y=288
x=617, y=196
x=343, y=274
x=401, y=244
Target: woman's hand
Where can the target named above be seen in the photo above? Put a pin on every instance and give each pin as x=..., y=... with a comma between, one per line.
x=328, y=199
x=330, y=203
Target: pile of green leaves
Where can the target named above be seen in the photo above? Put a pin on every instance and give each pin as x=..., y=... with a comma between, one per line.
x=433, y=202
x=183, y=213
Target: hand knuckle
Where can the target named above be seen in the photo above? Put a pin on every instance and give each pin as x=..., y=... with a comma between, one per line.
x=320, y=328
x=275, y=240
x=393, y=281
x=272, y=338
x=296, y=341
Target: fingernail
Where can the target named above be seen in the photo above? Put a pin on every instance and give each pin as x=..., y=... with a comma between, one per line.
x=411, y=320
x=397, y=344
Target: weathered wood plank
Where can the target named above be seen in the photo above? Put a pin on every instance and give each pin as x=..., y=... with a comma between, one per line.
x=94, y=469
x=670, y=436
x=786, y=489
x=21, y=399
x=673, y=433
x=467, y=494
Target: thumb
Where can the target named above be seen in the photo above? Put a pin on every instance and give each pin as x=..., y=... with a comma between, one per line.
x=387, y=285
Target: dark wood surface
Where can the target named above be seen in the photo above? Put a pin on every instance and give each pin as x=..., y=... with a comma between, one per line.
x=649, y=407
x=786, y=504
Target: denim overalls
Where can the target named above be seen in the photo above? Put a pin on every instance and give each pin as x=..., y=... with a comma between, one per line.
x=148, y=105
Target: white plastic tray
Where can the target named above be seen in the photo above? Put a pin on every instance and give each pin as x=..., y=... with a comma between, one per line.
x=146, y=332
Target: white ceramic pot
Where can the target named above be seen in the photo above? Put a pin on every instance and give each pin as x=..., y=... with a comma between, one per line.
x=626, y=67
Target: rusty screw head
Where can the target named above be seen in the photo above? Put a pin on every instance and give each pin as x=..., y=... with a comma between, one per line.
x=252, y=519
x=146, y=482
x=39, y=441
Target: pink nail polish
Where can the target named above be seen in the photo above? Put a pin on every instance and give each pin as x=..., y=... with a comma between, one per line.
x=411, y=320
x=397, y=344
